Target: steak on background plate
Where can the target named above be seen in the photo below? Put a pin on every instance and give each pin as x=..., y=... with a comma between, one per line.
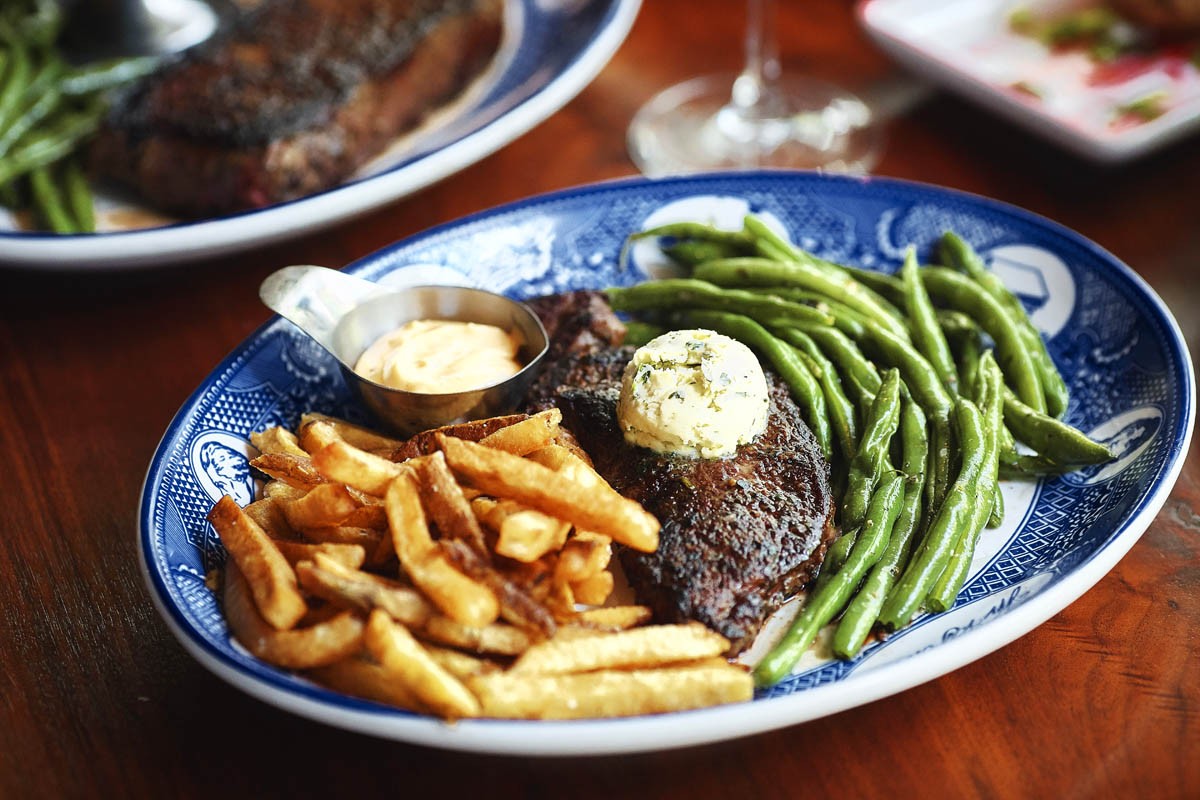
x=740, y=535
x=292, y=99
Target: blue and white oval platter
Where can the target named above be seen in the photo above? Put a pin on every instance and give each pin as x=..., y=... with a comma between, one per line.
x=1128, y=369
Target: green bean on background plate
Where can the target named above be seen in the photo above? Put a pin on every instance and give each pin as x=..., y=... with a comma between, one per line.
x=48, y=109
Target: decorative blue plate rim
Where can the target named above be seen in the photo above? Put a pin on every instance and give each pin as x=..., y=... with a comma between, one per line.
x=541, y=72
x=927, y=650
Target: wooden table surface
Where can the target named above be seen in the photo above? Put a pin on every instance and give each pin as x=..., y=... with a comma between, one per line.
x=98, y=699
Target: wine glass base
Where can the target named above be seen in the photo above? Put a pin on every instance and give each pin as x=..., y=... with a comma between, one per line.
x=692, y=127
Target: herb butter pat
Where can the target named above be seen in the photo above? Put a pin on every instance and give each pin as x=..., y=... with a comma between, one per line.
x=694, y=393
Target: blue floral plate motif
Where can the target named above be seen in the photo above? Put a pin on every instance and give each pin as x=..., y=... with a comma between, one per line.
x=1128, y=369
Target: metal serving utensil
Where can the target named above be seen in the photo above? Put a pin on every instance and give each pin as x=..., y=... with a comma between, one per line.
x=345, y=315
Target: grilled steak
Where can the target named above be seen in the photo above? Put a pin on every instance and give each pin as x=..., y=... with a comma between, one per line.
x=292, y=99
x=739, y=535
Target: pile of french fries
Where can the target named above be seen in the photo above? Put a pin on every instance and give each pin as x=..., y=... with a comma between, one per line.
x=462, y=573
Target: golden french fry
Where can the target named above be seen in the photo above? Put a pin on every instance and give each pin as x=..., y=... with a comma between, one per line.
x=361, y=591
x=651, y=646
x=300, y=648
x=272, y=580
x=361, y=677
x=295, y=470
x=355, y=435
x=324, y=505
x=560, y=599
x=277, y=440
x=516, y=605
x=458, y=596
x=367, y=538
x=458, y=663
x=316, y=434
x=425, y=443
x=283, y=492
x=594, y=589
x=584, y=555
x=348, y=555
x=344, y=463
x=527, y=435
x=574, y=464
x=614, y=617
x=368, y=516
x=567, y=439
x=609, y=693
x=497, y=639
x=268, y=513
x=598, y=508
x=448, y=506
x=552, y=455
x=398, y=652
x=522, y=533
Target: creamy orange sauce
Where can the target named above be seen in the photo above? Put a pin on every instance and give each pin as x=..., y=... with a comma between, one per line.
x=441, y=356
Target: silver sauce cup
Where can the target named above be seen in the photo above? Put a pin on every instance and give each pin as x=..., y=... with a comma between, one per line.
x=346, y=315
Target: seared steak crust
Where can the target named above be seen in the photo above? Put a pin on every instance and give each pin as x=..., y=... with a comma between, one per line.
x=739, y=535
x=292, y=99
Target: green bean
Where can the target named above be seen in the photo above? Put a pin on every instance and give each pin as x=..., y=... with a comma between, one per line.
x=105, y=75
x=939, y=470
x=835, y=557
x=957, y=253
x=751, y=271
x=961, y=293
x=848, y=320
x=996, y=515
x=919, y=375
x=690, y=252
x=860, y=616
x=858, y=371
x=675, y=293
x=1020, y=466
x=41, y=28
x=867, y=466
x=767, y=243
x=79, y=196
x=884, y=284
x=39, y=103
x=945, y=590
x=16, y=79
x=1051, y=437
x=802, y=383
x=690, y=232
x=824, y=603
x=738, y=240
x=841, y=410
x=927, y=335
x=48, y=148
x=965, y=339
x=49, y=202
x=955, y=513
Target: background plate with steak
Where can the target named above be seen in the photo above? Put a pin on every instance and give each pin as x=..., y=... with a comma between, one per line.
x=548, y=53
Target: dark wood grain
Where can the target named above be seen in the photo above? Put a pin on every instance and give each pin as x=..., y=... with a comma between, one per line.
x=98, y=699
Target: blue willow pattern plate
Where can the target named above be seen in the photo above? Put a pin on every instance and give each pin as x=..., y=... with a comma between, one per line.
x=1130, y=376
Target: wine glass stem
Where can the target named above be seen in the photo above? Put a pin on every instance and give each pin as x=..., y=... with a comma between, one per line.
x=755, y=89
